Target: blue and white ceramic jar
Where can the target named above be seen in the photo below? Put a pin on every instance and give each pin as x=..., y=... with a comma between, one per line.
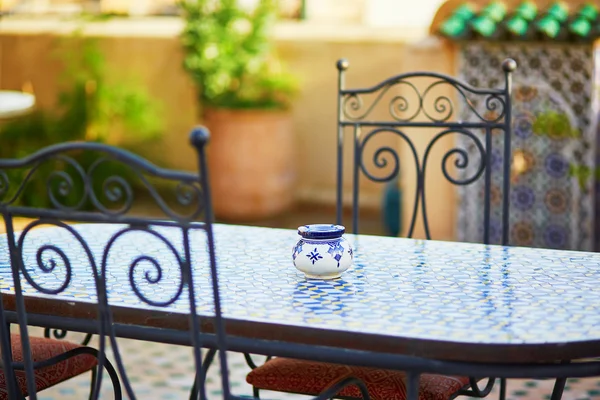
x=322, y=252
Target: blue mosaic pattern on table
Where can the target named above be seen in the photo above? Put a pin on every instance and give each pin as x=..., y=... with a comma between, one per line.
x=396, y=287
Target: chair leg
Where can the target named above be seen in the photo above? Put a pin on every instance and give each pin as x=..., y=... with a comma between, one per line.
x=559, y=387
x=502, y=388
x=10, y=357
x=93, y=382
x=208, y=359
x=112, y=373
x=114, y=378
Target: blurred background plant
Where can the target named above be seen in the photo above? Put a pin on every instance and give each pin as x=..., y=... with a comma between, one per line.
x=555, y=125
x=558, y=125
x=95, y=104
x=230, y=56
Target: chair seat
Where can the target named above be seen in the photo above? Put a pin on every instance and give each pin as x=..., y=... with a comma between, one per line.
x=312, y=378
x=43, y=349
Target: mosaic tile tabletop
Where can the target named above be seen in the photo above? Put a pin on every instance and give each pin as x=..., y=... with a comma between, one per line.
x=397, y=287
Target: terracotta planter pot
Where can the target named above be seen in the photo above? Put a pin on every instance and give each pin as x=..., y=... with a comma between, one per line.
x=251, y=161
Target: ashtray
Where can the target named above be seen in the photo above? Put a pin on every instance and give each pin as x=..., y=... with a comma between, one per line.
x=322, y=252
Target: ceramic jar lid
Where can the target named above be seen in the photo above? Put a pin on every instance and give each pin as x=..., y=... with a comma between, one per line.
x=321, y=231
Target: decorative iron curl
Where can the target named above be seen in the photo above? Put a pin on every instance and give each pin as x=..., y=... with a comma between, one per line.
x=401, y=104
x=49, y=247
x=441, y=109
x=379, y=159
x=443, y=106
x=66, y=184
x=475, y=391
x=62, y=333
x=398, y=104
x=115, y=189
x=187, y=194
x=56, y=333
x=148, y=277
x=21, y=186
x=462, y=159
x=353, y=102
x=491, y=104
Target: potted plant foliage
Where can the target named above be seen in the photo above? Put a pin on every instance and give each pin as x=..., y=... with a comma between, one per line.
x=244, y=96
x=95, y=103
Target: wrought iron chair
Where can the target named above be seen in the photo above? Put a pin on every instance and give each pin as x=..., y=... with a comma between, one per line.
x=490, y=111
x=109, y=200
x=99, y=199
x=53, y=361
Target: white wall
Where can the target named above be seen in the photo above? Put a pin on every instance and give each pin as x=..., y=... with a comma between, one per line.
x=401, y=13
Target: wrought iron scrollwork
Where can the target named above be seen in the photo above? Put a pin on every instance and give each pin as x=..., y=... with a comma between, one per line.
x=380, y=161
x=434, y=107
x=152, y=277
x=386, y=156
x=47, y=265
x=77, y=190
x=51, y=259
x=111, y=195
x=424, y=100
x=475, y=391
x=65, y=184
x=115, y=189
x=461, y=160
x=48, y=259
x=62, y=334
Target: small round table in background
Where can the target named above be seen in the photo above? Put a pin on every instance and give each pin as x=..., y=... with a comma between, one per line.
x=15, y=104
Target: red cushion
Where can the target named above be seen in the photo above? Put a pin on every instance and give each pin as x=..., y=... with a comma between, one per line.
x=43, y=349
x=312, y=378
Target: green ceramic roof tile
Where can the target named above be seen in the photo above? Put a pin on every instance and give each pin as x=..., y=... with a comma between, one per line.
x=559, y=11
x=589, y=11
x=523, y=15
x=525, y=21
x=465, y=12
x=490, y=16
x=495, y=11
x=549, y=25
x=581, y=27
x=527, y=10
x=484, y=25
x=453, y=27
x=582, y=24
x=517, y=26
x=456, y=25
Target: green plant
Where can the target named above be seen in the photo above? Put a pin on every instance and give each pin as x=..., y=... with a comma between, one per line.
x=97, y=103
x=93, y=105
x=582, y=173
x=555, y=125
x=558, y=126
x=229, y=54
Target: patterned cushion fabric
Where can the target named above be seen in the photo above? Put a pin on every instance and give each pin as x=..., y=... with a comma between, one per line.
x=312, y=378
x=43, y=349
